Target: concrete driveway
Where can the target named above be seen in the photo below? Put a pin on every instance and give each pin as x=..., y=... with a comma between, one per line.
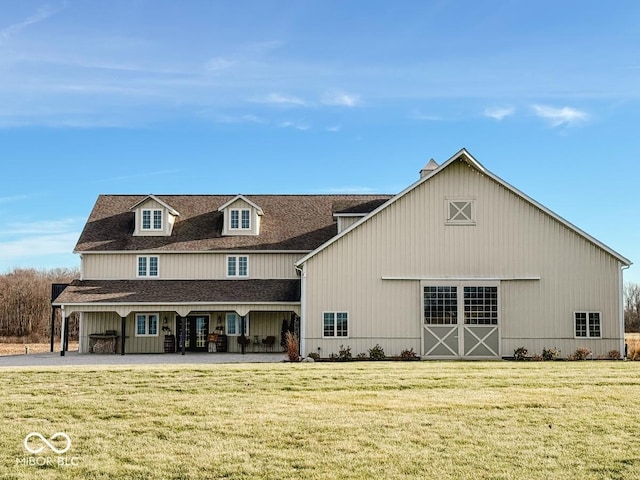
x=72, y=359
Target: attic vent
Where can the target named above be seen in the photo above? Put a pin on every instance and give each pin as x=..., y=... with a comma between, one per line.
x=428, y=168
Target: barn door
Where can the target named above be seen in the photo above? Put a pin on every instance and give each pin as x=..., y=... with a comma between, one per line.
x=461, y=321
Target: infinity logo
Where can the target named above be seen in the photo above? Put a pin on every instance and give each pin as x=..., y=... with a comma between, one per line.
x=47, y=443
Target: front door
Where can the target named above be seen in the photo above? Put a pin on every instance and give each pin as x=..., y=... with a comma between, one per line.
x=461, y=320
x=197, y=331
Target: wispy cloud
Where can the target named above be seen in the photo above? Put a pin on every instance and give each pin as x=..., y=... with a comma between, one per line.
x=295, y=125
x=41, y=14
x=12, y=199
x=41, y=227
x=333, y=128
x=38, y=245
x=557, y=117
x=248, y=118
x=499, y=113
x=418, y=115
x=282, y=100
x=341, y=99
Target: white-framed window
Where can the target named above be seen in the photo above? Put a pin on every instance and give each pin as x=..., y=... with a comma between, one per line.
x=148, y=266
x=147, y=324
x=234, y=324
x=461, y=304
x=335, y=324
x=237, y=266
x=460, y=211
x=151, y=219
x=587, y=324
x=240, y=219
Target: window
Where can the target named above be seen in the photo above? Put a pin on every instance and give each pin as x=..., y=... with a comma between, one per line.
x=440, y=305
x=147, y=325
x=460, y=212
x=240, y=219
x=148, y=266
x=237, y=266
x=481, y=305
x=587, y=324
x=147, y=216
x=335, y=324
x=234, y=324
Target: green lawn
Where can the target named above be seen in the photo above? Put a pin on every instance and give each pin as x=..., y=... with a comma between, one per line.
x=433, y=420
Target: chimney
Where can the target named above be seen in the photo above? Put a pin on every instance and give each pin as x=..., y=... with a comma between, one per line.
x=428, y=168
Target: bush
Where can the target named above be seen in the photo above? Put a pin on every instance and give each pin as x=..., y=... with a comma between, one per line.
x=292, y=347
x=550, y=354
x=314, y=355
x=614, y=355
x=376, y=353
x=408, y=354
x=362, y=355
x=581, y=353
x=520, y=353
x=344, y=354
x=537, y=358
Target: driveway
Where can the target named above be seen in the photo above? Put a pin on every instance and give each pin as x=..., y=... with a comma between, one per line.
x=73, y=359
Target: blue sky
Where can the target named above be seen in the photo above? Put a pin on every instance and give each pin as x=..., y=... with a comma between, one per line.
x=152, y=96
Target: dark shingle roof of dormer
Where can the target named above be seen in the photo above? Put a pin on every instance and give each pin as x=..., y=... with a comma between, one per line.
x=290, y=222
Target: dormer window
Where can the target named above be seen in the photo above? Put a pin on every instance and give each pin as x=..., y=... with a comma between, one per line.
x=151, y=219
x=240, y=219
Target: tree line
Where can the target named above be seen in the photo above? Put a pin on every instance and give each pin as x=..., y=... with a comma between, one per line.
x=632, y=307
x=25, y=303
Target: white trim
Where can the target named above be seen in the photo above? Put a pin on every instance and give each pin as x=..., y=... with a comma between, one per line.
x=244, y=199
x=462, y=279
x=152, y=218
x=157, y=251
x=335, y=324
x=147, y=267
x=588, y=333
x=172, y=210
x=471, y=201
x=303, y=310
x=238, y=322
x=147, y=316
x=151, y=304
x=240, y=212
x=237, y=266
x=465, y=156
x=350, y=214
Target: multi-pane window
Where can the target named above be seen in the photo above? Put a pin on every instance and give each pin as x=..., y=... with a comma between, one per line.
x=148, y=216
x=147, y=325
x=440, y=305
x=460, y=212
x=234, y=324
x=240, y=219
x=587, y=324
x=148, y=266
x=237, y=266
x=481, y=305
x=335, y=324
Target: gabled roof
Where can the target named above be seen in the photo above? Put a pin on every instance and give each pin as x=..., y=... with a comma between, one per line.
x=172, y=210
x=243, y=198
x=297, y=223
x=464, y=155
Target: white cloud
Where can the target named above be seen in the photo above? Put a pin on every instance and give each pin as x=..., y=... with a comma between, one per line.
x=38, y=246
x=279, y=99
x=341, y=99
x=333, y=129
x=418, y=115
x=296, y=125
x=47, y=227
x=41, y=14
x=13, y=198
x=498, y=113
x=557, y=117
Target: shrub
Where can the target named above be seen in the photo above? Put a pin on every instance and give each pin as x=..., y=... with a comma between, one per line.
x=408, y=354
x=333, y=357
x=614, y=355
x=550, y=354
x=537, y=358
x=633, y=348
x=362, y=355
x=292, y=347
x=344, y=354
x=376, y=353
x=581, y=353
x=314, y=355
x=520, y=353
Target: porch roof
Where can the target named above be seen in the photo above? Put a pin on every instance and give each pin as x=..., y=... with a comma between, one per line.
x=179, y=291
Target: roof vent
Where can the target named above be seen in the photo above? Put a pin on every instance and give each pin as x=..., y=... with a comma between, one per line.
x=428, y=168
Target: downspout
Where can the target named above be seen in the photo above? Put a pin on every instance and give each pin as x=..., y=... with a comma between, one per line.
x=303, y=308
x=623, y=342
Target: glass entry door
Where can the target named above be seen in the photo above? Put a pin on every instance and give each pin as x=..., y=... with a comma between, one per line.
x=197, y=327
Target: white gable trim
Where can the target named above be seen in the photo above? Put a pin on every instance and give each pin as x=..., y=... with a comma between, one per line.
x=465, y=156
x=244, y=199
x=172, y=210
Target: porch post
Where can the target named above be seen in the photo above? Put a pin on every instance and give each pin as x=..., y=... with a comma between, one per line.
x=62, y=328
x=66, y=334
x=123, y=325
x=53, y=325
x=183, y=334
x=243, y=323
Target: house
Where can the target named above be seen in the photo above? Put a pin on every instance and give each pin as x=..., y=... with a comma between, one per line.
x=458, y=265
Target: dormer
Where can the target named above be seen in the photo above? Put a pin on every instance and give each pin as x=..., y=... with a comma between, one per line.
x=154, y=218
x=241, y=217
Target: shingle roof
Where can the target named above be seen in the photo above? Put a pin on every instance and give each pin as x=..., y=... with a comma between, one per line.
x=182, y=291
x=290, y=222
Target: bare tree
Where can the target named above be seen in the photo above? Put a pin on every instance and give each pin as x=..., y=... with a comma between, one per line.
x=632, y=307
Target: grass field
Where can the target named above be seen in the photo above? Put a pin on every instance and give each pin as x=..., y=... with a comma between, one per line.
x=440, y=420
x=22, y=348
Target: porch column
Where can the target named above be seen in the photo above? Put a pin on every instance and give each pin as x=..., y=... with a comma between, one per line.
x=63, y=327
x=243, y=323
x=66, y=334
x=183, y=334
x=123, y=325
x=53, y=325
